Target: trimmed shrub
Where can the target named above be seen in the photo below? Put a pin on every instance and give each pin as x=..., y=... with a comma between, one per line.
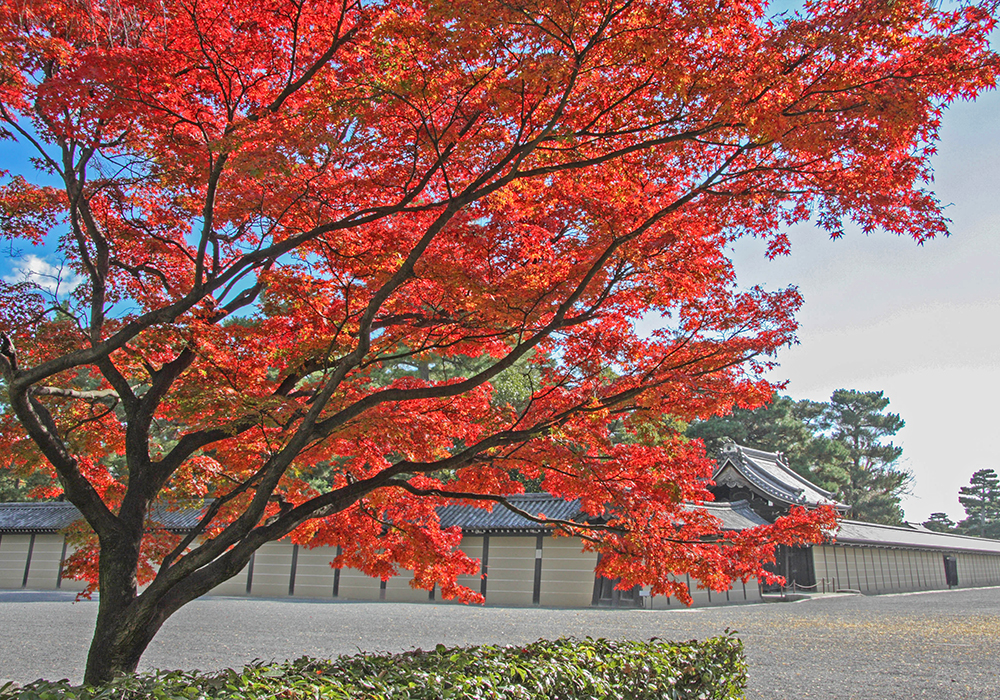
x=564, y=669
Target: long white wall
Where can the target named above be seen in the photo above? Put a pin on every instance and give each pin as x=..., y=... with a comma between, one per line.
x=739, y=592
x=519, y=572
x=875, y=570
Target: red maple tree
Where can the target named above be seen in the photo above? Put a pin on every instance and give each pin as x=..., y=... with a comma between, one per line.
x=345, y=262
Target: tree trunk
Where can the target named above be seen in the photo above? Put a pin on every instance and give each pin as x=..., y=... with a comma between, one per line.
x=118, y=644
x=127, y=622
x=123, y=629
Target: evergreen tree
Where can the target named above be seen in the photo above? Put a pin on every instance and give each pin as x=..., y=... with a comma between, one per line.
x=876, y=484
x=838, y=445
x=782, y=425
x=16, y=486
x=940, y=522
x=981, y=500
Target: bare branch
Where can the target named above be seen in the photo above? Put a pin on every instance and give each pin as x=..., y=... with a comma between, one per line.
x=101, y=395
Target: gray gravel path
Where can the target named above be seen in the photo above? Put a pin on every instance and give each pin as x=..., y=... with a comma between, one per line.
x=938, y=645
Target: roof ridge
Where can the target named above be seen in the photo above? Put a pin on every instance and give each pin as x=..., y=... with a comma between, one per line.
x=744, y=448
x=795, y=475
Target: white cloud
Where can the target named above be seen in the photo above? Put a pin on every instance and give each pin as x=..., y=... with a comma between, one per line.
x=47, y=276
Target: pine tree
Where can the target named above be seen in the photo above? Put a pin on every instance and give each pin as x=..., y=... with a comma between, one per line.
x=940, y=522
x=981, y=500
x=15, y=485
x=876, y=484
x=838, y=445
x=782, y=425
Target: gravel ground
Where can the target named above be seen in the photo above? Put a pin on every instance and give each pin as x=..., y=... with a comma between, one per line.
x=925, y=645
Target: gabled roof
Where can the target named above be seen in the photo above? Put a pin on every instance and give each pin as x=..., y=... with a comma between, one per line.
x=767, y=473
x=53, y=516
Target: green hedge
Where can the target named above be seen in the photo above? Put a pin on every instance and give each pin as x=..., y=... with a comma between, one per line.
x=564, y=669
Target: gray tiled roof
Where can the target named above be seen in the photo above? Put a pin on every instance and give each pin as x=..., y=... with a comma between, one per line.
x=54, y=516
x=502, y=520
x=855, y=532
x=26, y=518
x=776, y=480
x=734, y=516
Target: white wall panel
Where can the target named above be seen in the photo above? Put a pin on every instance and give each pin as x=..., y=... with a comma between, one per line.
x=272, y=568
x=313, y=573
x=45, y=556
x=567, y=573
x=13, y=557
x=511, y=571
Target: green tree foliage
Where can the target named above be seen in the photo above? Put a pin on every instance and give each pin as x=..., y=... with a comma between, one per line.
x=857, y=420
x=940, y=522
x=511, y=390
x=839, y=445
x=981, y=500
x=15, y=486
x=783, y=425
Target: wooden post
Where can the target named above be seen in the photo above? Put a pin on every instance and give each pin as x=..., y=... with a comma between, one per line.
x=291, y=574
x=336, y=576
x=485, y=566
x=27, y=561
x=62, y=561
x=536, y=594
x=250, y=573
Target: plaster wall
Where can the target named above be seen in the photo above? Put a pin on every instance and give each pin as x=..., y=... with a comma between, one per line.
x=237, y=585
x=511, y=576
x=13, y=557
x=45, y=558
x=874, y=570
x=472, y=545
x=354, y=585
x=313, y=573
x=567, y=573
x=272, y=568
x=398, y=589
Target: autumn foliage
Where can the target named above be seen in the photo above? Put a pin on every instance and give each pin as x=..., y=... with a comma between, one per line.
x=345, y=262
